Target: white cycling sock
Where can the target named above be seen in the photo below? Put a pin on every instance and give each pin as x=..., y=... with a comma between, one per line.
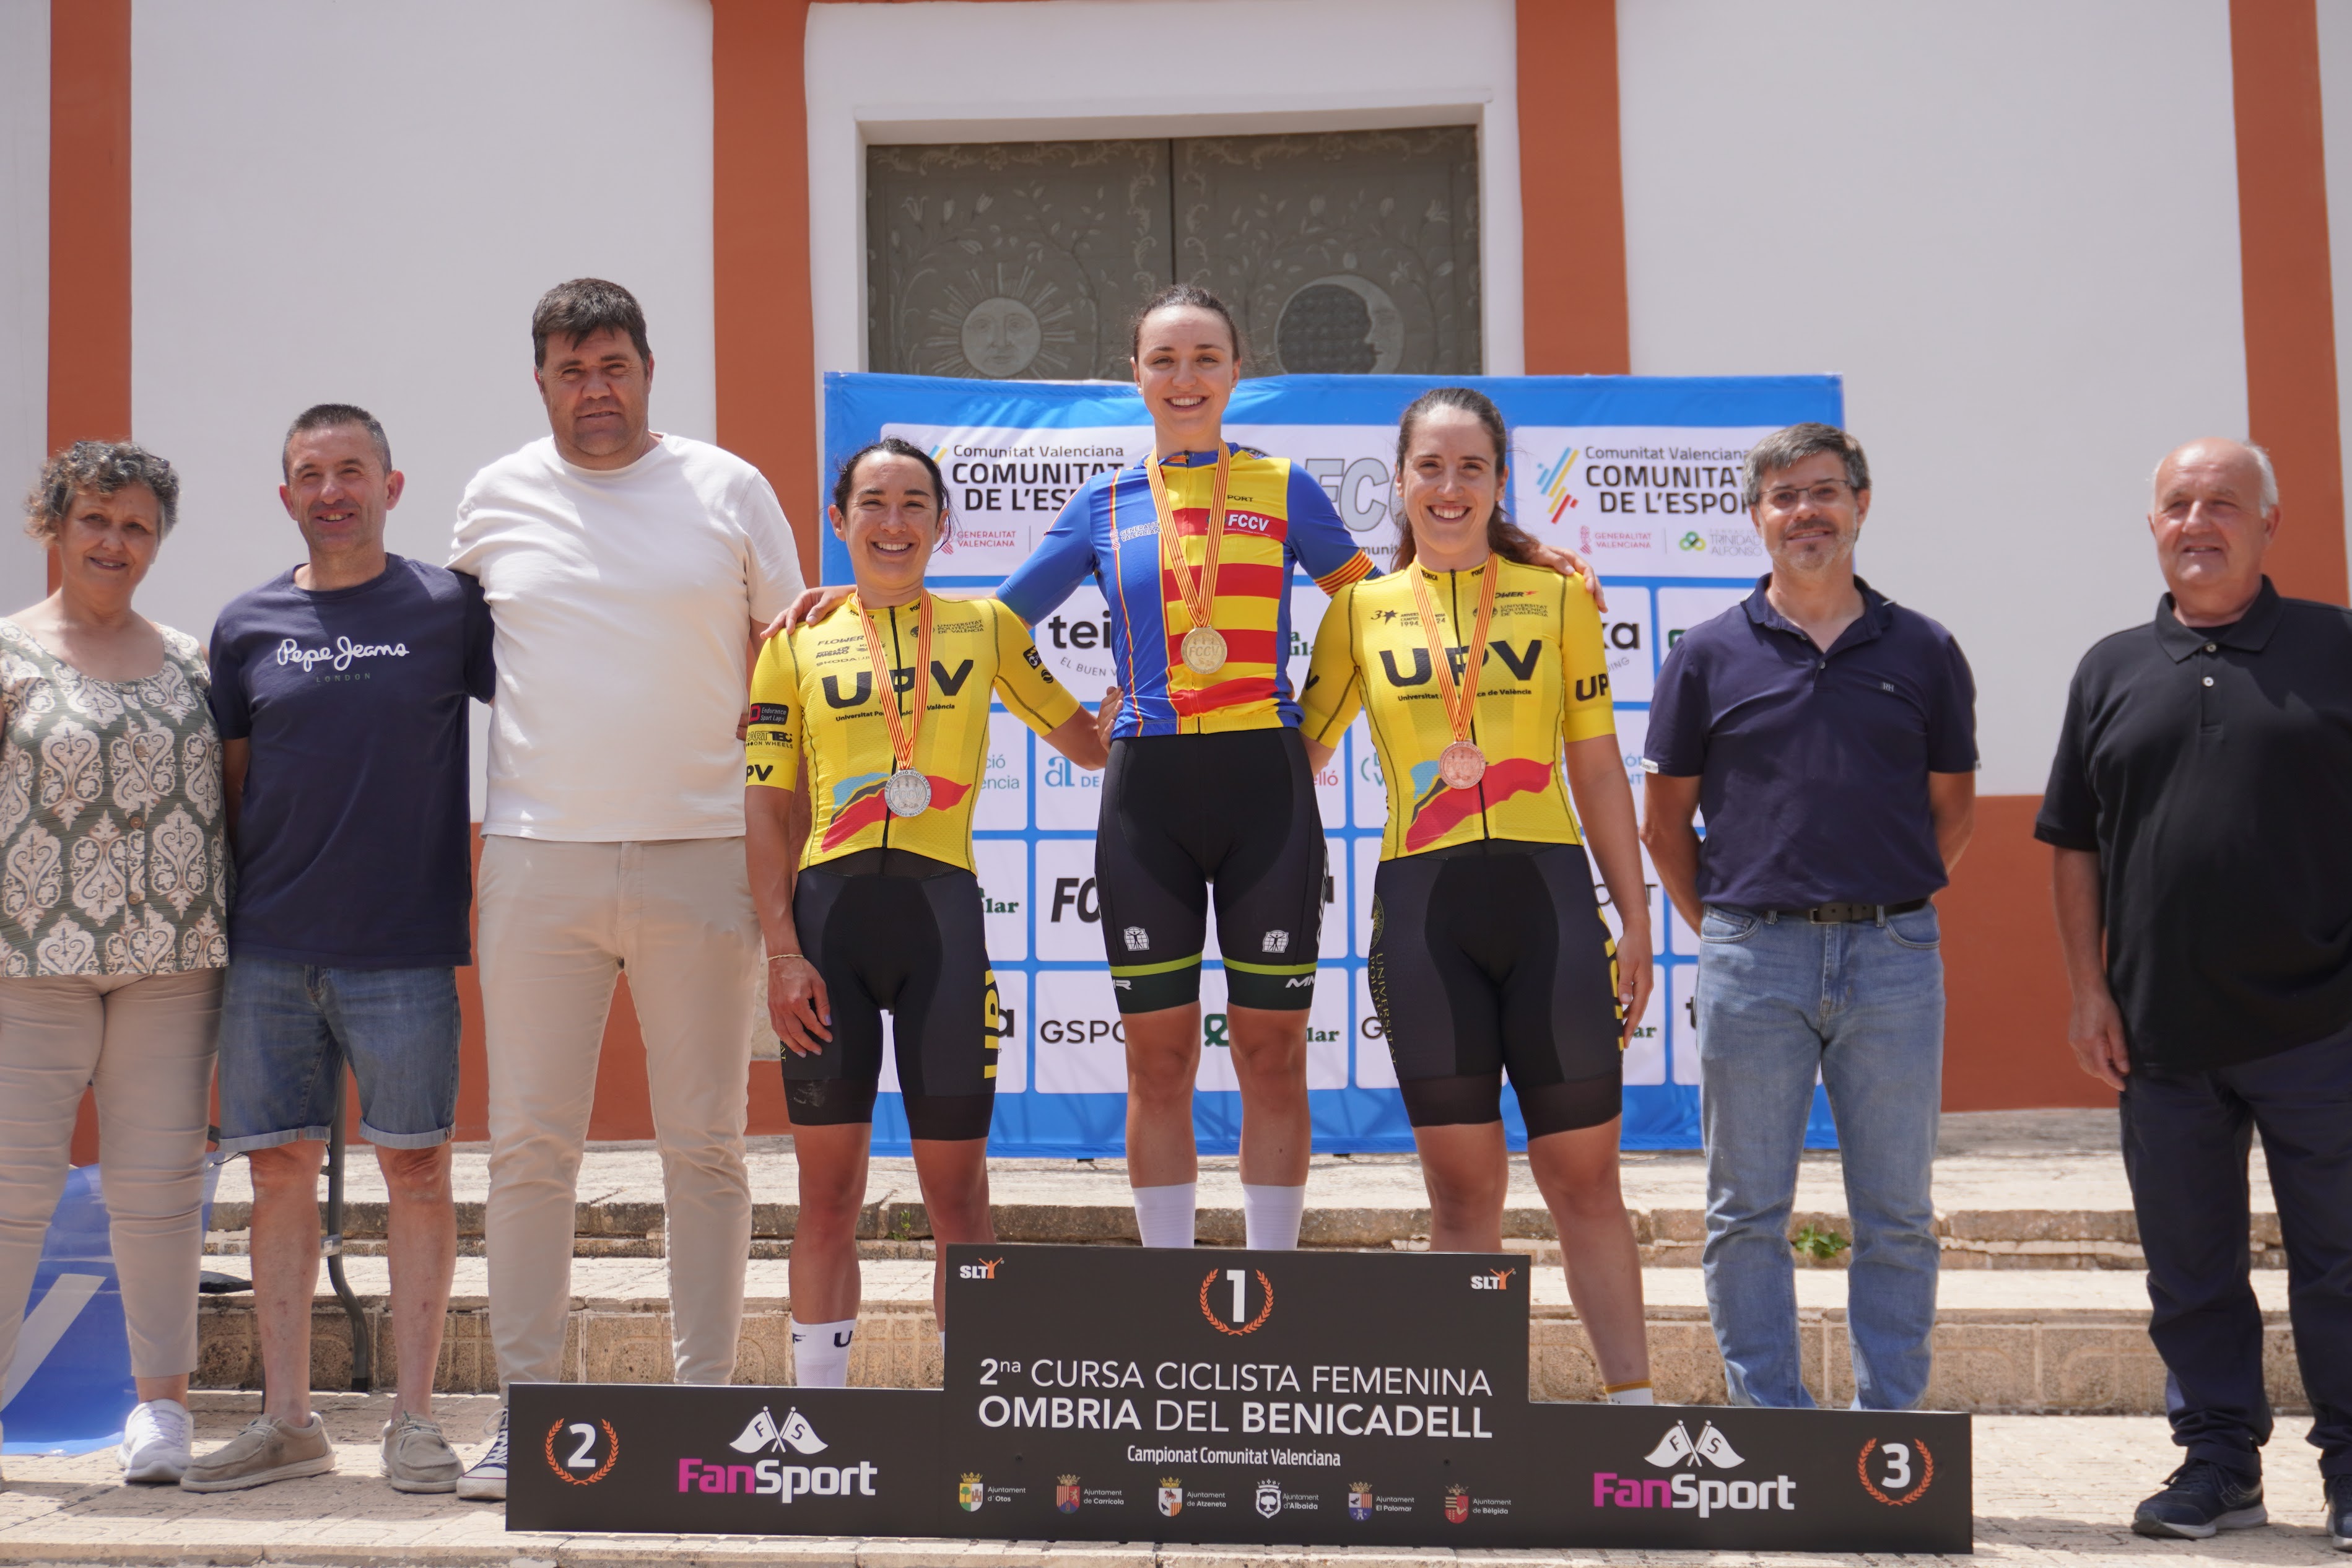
x=1629, y=1392
x=1270, y=1215
x=1164, y=1214
x=821, y=1353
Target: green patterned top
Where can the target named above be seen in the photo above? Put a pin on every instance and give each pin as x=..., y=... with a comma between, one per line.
x=113, y=852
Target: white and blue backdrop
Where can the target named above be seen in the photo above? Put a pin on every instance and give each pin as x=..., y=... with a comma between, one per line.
x=1639, y=474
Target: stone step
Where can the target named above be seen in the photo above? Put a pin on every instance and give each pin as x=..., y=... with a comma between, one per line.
x=2030, y=1239
x=2053, y=1341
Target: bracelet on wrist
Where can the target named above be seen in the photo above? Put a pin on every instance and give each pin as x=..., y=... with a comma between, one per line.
x=778, y=957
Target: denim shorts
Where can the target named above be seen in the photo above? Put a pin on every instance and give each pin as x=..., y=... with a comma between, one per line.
x=287, y=1029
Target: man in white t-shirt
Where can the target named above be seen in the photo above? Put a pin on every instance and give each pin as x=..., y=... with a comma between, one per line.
x=625, y=571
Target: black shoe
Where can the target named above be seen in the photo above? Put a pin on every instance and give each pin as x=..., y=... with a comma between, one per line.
x=2339, y=1512
x=2200, y=1498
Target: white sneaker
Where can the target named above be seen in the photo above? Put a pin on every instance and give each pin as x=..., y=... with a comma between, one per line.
x=486, y=1479
x=154, y=1448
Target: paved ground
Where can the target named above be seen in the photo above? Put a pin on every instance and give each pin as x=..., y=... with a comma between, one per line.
x=1988, y=1160
x=2052, y=1491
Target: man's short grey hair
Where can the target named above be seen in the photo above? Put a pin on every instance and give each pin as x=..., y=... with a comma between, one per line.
x=1784, y=449
x=104, y=468
x=328, y=416
x=2262, y=465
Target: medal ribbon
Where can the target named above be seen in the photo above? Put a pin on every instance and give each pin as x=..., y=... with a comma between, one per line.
x=1200, y=596
x=1460, y=706
x=904, y=730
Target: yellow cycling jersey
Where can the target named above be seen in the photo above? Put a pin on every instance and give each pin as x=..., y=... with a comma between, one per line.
x=1544, y=681
x=813, y=702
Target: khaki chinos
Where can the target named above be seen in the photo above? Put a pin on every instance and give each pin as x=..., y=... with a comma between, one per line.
x=559, y=921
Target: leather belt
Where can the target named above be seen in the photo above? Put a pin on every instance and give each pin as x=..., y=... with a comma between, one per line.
x=1846, y=914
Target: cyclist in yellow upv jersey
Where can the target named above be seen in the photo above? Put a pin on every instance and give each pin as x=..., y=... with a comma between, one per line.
x=1489, y=953
x=868, y=737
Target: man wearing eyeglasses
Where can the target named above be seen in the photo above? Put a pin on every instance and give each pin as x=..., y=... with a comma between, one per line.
x=1829, y=736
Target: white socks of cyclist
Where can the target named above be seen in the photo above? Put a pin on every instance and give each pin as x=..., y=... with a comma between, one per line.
x=1164, y=1214
x=821, y=1353
x=1270, y=1217
x=1629, y=1392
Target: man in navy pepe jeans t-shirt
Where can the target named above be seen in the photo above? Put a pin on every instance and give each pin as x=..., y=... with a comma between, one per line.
x=340, y=690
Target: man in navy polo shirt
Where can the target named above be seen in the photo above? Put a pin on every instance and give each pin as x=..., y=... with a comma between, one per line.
x=1829, y=736
x=339, y=689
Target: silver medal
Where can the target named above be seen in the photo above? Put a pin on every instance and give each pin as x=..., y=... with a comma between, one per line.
x=907, y=792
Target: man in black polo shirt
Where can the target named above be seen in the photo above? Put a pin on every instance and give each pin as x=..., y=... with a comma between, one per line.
x=1829, y=734
x=2201, y=812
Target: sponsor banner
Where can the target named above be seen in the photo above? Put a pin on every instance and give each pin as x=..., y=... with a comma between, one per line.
x=1221, y=1395
x=1639, y=474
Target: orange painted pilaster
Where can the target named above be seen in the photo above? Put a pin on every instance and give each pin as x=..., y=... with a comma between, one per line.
x=89, y=221
x=2291, y=391
x=765, y=314
x=1571, y=189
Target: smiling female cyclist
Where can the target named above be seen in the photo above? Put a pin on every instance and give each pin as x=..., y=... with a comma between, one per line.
x=1480, y=671
x=868, y=737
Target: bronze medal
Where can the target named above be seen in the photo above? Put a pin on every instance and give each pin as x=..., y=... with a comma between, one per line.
x=1462, y=765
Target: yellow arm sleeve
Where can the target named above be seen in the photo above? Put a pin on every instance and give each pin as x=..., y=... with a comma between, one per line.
x=1028, y=688
x=1335, y=685
x=772, y=747
x=1585, y=708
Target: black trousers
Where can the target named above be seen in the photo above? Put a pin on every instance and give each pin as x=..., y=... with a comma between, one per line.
x=2186, y=1138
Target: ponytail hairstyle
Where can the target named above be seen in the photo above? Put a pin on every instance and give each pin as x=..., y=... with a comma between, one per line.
x=1504, y=537
x=845, y=483
x=1178, y=296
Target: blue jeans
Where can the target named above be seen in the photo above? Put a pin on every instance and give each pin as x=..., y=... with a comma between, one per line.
x=287, y=1029
x=1781, y=1000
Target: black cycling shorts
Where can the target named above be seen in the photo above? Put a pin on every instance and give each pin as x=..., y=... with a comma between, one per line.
x=892, y=931
x=1180, y=813
x=1489, y=957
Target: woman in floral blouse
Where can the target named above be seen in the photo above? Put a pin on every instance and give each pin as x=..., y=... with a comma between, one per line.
x=114, y=927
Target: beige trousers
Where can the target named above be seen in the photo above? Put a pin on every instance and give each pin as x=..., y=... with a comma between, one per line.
x=146, y=1043
x=558, y=923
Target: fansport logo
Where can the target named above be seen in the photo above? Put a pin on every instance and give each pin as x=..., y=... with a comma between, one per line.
x=1708, y=1496
x=1458, y=1504
x=1171, y=1496
x=984, y=1269
x=970, y=1493
x=1240, y=1322
x=1679, y=1447
x=773, y=1478
x=1897, y=1472
x=1492, y=1280
x=1359, y=1499
x=1066, y=1494
x=1552, y=485
x=582, y=1466
x=1269, y=1498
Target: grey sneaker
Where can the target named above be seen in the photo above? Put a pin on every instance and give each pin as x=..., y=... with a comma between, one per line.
x=154, y=1449
x=267, y=1450
x=486, y=1480
x=417, y=1457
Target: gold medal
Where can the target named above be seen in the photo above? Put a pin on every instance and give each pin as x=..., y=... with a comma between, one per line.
x=1462, y=764
x=1203, y=647
x=1204, y=650
x=907, y=792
